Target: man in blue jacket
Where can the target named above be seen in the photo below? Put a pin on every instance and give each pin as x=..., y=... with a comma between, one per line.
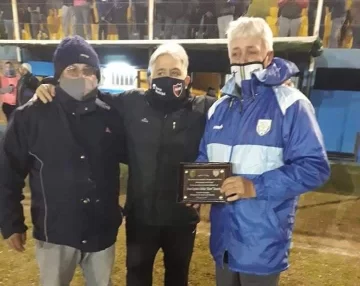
x=269, y=133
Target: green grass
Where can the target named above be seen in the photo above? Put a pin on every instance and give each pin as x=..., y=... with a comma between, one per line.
x=328, y=223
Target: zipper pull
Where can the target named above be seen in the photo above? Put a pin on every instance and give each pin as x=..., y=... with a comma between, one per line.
x=231, y=102
x=174, y=125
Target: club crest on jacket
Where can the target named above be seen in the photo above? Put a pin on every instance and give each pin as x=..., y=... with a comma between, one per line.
x=263, y=126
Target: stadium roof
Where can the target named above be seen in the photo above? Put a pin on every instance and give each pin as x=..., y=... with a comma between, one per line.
x=297, y=49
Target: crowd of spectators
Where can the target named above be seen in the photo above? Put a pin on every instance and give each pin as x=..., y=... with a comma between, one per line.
x=178, y=19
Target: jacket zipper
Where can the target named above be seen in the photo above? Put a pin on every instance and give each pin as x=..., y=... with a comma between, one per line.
x=158, y=160
x=230, y=156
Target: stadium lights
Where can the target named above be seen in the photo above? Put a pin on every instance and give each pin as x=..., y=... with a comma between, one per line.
x=120, y=66
x=118, y=76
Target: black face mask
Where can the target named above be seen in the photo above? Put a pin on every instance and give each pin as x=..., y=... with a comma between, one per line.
x=168, y=89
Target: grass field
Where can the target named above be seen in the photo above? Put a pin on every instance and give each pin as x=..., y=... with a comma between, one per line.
x=326, y=248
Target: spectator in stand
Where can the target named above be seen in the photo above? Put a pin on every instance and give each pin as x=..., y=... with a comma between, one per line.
x=225, y=11
x=290, y=16
x=9, y=82
x=312, y=16
x=176, y=20
x=141, y=15
x=208, y=29
x=241, y=8
x=7, y=16
x=195, y=20
x=338, y=15
x=30, y=15
x=67, y=17
x=27, y=85
x=355, y=23
x=82, y=11
x=104, y=8
x=222, y=12
x=119, y=18
x=159, y=20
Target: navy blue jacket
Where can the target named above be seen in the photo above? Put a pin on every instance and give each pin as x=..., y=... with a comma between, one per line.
x=71, y=153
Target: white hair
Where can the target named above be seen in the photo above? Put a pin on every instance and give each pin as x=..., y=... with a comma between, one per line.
x=27, y=67
x=251, y=27
x=172, y=49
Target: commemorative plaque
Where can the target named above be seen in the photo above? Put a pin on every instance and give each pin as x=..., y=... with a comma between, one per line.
x=200, y=183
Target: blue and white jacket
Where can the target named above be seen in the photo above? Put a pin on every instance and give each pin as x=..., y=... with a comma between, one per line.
x=271, y=136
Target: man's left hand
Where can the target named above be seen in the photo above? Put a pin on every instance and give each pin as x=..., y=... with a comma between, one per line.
x=236, y=188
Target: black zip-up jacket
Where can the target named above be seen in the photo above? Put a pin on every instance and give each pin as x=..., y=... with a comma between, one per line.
x=156, y=144
x=26, y=88
x=71, y=151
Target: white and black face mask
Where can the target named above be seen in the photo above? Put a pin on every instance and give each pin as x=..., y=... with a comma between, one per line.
x=244, y=71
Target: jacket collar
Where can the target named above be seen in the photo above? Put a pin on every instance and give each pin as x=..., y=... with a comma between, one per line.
x=275, y=74
x=73, y=106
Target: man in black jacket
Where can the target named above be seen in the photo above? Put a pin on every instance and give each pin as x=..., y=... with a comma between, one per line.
x=28, y=83
x=71, y=149
x=163, y=127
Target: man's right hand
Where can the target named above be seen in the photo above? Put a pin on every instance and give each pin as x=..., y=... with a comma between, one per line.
x=17, y=241
x=45, y=92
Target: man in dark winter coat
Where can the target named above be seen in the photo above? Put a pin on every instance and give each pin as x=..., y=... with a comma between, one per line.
x=163, y=127
x=27, y=85
x=71, y=149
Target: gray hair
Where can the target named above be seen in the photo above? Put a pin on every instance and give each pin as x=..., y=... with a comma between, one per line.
x=174, y=50
x=251, y=27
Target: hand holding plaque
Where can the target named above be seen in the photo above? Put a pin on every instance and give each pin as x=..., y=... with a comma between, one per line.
x=200, y=183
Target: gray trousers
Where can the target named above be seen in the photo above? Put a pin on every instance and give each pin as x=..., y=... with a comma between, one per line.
x=58, y=263
x=67, y=19
x=225, y=277
x=335, y=32
x=82, y=18
x=289, y=27
x=9, y=29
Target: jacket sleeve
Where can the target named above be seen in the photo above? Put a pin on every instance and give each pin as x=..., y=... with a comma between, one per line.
x=14, y=167
x=305, y=161
x=202, y=156
x=33, y=83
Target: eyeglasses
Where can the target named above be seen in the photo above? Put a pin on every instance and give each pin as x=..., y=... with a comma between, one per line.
x=74, y=71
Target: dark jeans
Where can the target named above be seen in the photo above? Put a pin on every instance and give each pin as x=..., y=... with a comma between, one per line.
x=143, y=243
x=103, y=28
x=141, y=16
x=311, y=18
x=8, y=110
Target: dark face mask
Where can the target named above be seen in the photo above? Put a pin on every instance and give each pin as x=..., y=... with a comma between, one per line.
x=168, y=89
x=10, y=73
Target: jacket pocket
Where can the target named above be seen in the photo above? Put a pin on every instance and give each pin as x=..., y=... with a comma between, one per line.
x=275, y=222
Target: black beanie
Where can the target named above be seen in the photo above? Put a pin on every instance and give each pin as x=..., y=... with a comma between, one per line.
x=74, y=50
